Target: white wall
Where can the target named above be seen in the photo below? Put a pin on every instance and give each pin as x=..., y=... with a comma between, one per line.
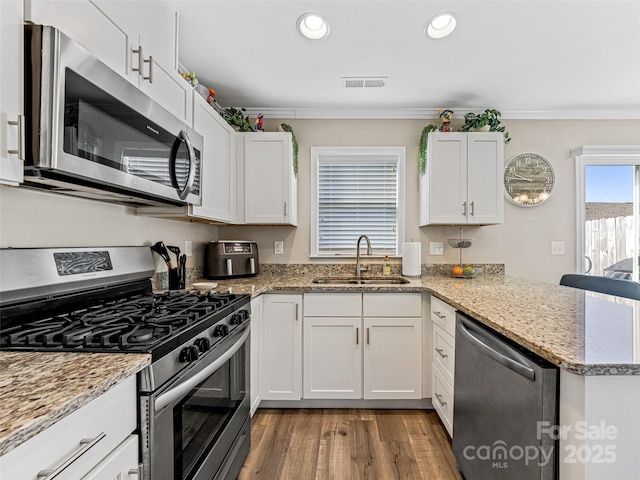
x=522, y=243
x=39, y=219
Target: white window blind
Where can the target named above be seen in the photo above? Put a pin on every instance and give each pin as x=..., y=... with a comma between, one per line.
x=357, y=194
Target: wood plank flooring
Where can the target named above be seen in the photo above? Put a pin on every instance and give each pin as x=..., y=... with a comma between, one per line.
x=334, y=444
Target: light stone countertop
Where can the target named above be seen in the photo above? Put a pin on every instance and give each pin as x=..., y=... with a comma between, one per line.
x=37, y=389
x=581, y=332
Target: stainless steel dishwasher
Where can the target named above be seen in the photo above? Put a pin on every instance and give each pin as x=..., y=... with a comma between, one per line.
x=505, y=408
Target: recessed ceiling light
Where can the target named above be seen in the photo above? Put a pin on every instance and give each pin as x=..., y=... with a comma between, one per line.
x=313, y=26
x=441, y=25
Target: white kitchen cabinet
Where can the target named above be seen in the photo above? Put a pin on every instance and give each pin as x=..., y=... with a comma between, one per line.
x=392, y=345
x=281, y=347
x=269, y=192
x=136, y=39
x=82, y=440
x=362, y=346
x=332, y=346
x=11, y=91
x=443, y=317
x=462, y=184
x=332, y=357
x=121, y=464
x=255, y=353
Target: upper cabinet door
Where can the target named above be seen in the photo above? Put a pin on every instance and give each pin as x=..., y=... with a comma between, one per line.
x=90, y=24
x=484, y=185
x=270, y=190
x=447, y=170
x=218, y=164
x=11, y=108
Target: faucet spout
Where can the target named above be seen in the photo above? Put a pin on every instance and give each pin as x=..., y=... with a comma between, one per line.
x=359, y=270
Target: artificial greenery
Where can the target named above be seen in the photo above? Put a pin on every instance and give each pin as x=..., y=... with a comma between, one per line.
x=294, y=143
x=422, y=149
x=236, y=118
x=490, y=117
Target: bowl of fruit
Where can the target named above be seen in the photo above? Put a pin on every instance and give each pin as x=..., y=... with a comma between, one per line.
x=467, y=271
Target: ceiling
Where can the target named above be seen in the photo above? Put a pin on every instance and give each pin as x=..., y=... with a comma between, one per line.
x=526, y=58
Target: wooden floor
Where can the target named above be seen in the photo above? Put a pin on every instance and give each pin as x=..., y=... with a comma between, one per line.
x=348, y=444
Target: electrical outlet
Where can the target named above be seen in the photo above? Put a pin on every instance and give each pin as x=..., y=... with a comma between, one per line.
x=278, y=248
x=436, y=248
x=188, y=248
x=557, y=247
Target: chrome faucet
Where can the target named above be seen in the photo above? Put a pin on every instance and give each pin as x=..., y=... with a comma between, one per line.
x=369, y=252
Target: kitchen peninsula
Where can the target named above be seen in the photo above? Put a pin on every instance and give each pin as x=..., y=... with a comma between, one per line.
x=593, y=338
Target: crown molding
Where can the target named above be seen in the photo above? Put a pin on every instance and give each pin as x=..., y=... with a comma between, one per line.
x=430, y=113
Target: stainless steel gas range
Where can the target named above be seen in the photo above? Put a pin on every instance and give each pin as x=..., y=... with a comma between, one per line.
x=193, y=399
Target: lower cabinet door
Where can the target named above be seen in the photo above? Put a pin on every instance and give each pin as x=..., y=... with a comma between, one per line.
x=392, y=358
x=281, y=348
x=332, y=357
x=121, y=464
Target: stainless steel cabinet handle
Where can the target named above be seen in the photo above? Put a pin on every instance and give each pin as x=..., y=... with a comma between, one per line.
x=473, y=208
x=88, y=444
x=297, y=312
x=441, y=353
x=21, y=148
x=150, y=62
x=367, y=336
x=140, y=60
x=357, y=336
x=439, y=315
x=285, y=209
x=440, y=401
x=137, y=471
x=464, y=208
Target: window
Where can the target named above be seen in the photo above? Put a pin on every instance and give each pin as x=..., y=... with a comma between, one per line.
x=357, y=191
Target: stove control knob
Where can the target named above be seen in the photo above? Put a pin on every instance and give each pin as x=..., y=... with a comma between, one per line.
x=221, y=330
x=244, y=314
x=236, y=319
x=189, y=354
x=202, y=344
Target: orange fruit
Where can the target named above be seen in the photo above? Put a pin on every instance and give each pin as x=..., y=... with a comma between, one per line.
x=457, y=270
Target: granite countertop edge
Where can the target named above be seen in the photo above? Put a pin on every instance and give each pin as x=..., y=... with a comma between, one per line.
x=24, y=418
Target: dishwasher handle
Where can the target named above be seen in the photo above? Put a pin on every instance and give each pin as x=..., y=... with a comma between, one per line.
x=489, y=346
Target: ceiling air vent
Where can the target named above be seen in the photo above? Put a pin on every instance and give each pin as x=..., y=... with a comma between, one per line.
x=364, y=82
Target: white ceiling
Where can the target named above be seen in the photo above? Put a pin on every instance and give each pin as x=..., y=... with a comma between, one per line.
x=526, y=58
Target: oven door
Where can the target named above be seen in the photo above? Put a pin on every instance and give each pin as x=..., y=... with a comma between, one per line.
x=197, y=427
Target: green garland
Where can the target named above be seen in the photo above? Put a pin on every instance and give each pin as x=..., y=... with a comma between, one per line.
x=294, y=143
x=422, y=149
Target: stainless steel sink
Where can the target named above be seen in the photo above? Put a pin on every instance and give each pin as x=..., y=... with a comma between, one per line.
x=360, y=281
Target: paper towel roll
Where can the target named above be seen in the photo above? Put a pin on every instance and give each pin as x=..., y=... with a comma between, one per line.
x=411, y=266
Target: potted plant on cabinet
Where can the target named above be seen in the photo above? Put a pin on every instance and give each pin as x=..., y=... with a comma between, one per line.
x=489, y=121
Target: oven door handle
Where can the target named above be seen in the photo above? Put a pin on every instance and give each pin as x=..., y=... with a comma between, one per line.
x=185, y=387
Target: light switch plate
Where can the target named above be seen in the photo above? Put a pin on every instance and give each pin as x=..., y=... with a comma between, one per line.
x=188, y=248
x=436, y=248
x=278, y=248
x=557, y=247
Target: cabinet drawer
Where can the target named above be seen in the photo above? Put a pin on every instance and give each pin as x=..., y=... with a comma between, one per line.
x=443, y=399
x=107, y=420
x=444, y=352
x=332, y=304
x=392, y=304
x=443, y=314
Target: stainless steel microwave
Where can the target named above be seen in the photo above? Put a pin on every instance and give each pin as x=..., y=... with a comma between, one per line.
x=91, y=133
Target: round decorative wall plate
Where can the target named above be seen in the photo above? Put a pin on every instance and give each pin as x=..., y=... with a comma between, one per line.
x=529, y=179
